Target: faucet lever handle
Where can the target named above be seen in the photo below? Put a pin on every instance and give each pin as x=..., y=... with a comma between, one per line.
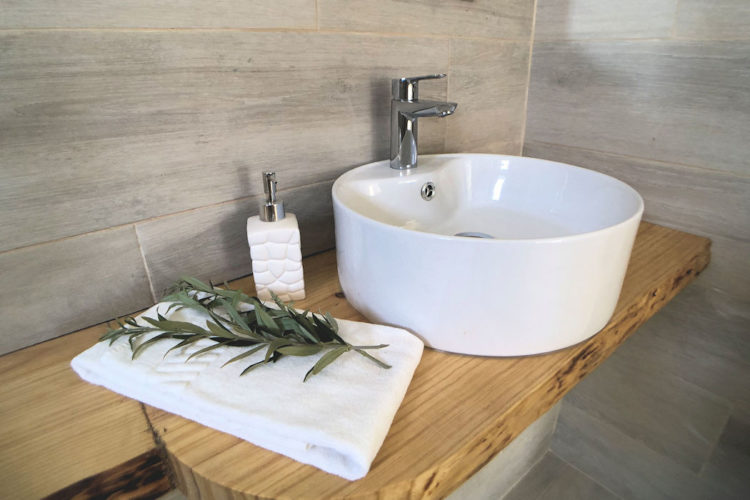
x=407, y=88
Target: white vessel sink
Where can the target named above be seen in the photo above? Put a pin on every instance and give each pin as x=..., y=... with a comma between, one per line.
x=549, y=276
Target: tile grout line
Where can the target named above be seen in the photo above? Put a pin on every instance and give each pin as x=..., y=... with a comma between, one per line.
x=669, y=38
x=528, y=80
x=64, y=238
x=448, y=89
x=395, y=34
x=551, y=452
x=145, y=264
x=715, y=444
x=557, y=419
x=546, y=452
x=525, y=474
x=329, y=31
x=159, y=217
x=673, y=30
x=648, y=160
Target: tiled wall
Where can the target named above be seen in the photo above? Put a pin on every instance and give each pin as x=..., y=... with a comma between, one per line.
x=133, y=134
x=657, y=93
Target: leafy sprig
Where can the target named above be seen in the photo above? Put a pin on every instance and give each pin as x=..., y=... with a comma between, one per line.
x=281, y=332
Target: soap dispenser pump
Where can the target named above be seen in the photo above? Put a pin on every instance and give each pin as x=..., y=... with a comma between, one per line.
x=275, y=249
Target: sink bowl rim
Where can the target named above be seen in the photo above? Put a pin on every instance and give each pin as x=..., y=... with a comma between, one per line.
x=488, y=241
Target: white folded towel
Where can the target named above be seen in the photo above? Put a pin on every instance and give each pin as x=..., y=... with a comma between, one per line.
x=335, y=421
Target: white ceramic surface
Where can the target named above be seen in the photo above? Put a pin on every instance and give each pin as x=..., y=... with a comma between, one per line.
x=277, y=258
x=549, y=279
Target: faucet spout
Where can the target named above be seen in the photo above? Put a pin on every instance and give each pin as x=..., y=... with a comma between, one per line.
x=428, y=109
x=406, y=109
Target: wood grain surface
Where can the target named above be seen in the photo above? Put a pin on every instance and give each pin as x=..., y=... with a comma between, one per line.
x=140, y=478
x=164, y=14
x=507, y=19
x=593, y=19
x=55, y=429
x=628, y=97
x=488, y=81
x=42, y=284
x=148, y=123
x=459, y=411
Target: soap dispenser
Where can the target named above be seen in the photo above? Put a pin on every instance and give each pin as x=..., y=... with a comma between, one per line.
x=275, y=248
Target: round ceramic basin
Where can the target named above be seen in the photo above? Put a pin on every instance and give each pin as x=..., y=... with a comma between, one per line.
x=485, y=254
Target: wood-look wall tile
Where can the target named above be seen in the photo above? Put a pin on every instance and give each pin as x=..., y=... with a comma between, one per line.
x=695, y=340
x=508, y=19
x=675, y=418
x=729, y=270
x=583, y=19
x=211, y=243
x=498, y=476
x=730, y=463
x=55, y=288
x=680, y=102
x=173, y=495
x=623, y=465
x=707, y=202
x=161, y=14
x=553, y=479
x=696, y=200
x=102, y=128
x=715, y=20
x=689, y=340
x=488, y=81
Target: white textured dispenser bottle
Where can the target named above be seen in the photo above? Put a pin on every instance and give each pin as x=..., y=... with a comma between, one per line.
x=275, y=248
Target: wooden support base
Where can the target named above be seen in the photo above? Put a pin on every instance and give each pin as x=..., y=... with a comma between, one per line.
x=144, y=476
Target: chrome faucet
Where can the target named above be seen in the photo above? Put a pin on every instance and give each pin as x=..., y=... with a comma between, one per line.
x=405, y=109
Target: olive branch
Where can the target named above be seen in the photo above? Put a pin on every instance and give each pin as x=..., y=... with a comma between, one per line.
x=281, y=332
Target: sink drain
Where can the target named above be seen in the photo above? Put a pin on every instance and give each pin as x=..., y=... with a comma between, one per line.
x=428, y=191
x=474, y=234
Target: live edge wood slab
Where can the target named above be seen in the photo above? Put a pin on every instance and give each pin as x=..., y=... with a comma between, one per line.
x=458, y=413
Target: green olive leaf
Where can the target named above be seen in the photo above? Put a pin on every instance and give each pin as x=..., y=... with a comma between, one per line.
x=325, y=360
x=264, y=319
x=301, y=350
x=244, y=354
x=207, y=349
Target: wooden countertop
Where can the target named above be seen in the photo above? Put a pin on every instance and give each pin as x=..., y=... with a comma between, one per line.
x=458, y=413
x=57, y=431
